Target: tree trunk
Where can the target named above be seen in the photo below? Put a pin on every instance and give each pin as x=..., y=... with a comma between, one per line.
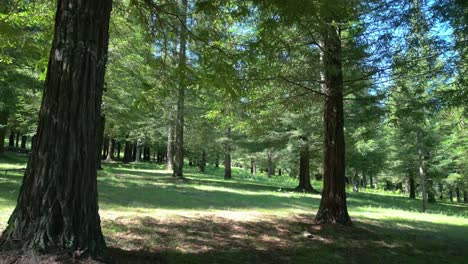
x=451, y=195
x=179, y=136
x=119, y=149
x=457, y=192
x=23, y=141
x=270, y=170
x=364, y=180
x=253, y=166
x=304, y=171
x=465, y=196
x=333, y=208
x=441, y=191
x=217, y=160
x=430, y=191
x=202, y=164
x=17, y=139
x=138, y=151
x=100, y=128
x=412, y=187
x=11, y=140
x=170, y=148
x=134, y=152
x=3, y=129
x=371, y=181
x=355, y=182
x=421, y=172
x=227, y=157
x=57, y=205
x=110, y=150
x=128, y=152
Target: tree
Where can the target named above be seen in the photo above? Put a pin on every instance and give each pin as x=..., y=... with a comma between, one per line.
x=57, y=205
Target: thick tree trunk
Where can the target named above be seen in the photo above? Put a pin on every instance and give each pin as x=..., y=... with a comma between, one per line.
x=11, y=140
x=110, y=149
x=179, y=133
x=202, y=163
x=304, y=171
x=138, y=147
x=24, y=139
x=421, y=172
x=57, y=204
x=333, y=208
x=227, y=157
x=364, y=180
x=3, y=129
x=412, y=187
x=170, y=148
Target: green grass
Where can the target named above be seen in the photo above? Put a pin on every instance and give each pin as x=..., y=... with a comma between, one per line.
x=255, y=219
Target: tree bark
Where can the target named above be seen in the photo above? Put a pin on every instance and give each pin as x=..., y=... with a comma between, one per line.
x=100, y=128
x=119, y=149
x=333, y=208
x=355, y=182
x=179, y=136
x=304, y=171
x=441, y=191
x=465, y=196
x=227, y=157
x=371, y=181
x=57, y=206
x=430, y=191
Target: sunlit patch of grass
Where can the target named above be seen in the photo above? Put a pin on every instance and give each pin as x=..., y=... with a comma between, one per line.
x=256, y=219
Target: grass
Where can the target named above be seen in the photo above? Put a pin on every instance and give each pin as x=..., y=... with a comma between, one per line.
x=151, y=218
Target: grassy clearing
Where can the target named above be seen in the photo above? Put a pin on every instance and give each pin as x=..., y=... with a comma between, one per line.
x=254, y=219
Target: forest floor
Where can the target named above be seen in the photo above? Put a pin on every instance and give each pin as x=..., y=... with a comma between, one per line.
x=148, y=217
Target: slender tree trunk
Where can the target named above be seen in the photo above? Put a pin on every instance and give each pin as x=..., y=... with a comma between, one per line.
x=457, y=192
x=202, y=164
x=11, y=140
x=57, y=205
x=412, y=187
x=371, y=181
x=421, y=172
x=364, y=180
x=128, y=152
x=110, y=150
x=270, y=170
x=17, y=139
x=451, y=194
x=170, y=147
x=304, y=171
x=355, y=182
x=119, y=149
x=430, y=191
x=100, y=128
x=253, y=166
x=217, y=160
x=333, y=208
x=3, y=129
x=465, y=196
x=227, y=157
x=179, y=133
x=138, y=151
x=23, y=141
x=441, y=191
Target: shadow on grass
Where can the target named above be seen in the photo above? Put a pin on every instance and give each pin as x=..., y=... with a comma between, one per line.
x=212, y=239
